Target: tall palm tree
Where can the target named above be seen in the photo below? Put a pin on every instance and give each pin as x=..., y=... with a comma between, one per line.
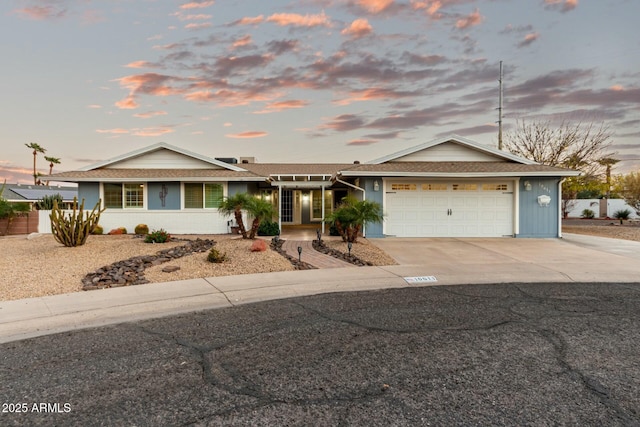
x=52, y=161
x=233, y=205
x=36, y=149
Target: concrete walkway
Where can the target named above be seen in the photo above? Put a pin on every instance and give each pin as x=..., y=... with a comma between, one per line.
x=311, y=256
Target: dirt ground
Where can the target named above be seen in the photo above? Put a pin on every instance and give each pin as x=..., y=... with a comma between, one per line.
x=629, y=230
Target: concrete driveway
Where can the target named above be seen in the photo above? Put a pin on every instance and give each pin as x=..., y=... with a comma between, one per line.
x=574, y=258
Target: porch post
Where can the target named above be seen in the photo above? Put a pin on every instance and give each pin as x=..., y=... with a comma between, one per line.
x=280, y=208
x=322, y=195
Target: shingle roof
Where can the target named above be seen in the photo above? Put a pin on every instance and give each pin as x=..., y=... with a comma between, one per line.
x=266, y=169
x=503, y=168
x=154, y=174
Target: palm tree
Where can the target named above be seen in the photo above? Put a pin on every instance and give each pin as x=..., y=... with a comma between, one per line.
x=352, y=214
x=36, y=149
x=52, y=161
x=260, y=210
x=233, y=205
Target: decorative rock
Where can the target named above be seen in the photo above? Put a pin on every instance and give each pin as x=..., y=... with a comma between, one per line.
x=170, y=268
x=258, y=246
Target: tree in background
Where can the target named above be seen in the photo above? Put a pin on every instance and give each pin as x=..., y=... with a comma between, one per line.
x=629, y=187
x=581, y=147
x=52, y=161
x=36, y=149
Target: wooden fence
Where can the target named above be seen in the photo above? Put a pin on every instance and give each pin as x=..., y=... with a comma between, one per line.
x=24, y=224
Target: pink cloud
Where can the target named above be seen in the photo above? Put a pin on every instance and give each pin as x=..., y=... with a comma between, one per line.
x=617, y=88
x=129, y=103
x=275, y=107
x=284, y=19
x=229, y=98
x=358, y=28
x=528, y=39
x=469, y=21
x=94, y=106
x=151, y=131
x=374, y=94
x=197, y=4
x=362, y=142
x=138, y=64
x=150, y=114
x=562, y=5
x=198, y=17
x=375, y=6
x=246, y=135
x=40, y=13
x=432, y=7
x=250, y=20
x=242, y=41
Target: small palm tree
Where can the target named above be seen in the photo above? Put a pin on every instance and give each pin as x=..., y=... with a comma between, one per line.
x=260, y=210
x=36, y=149
x=52, y=161
x=233, y=205
x=352, y=214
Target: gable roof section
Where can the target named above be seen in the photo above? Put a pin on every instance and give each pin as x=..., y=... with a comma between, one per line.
x=160, y=146
x=467, y=143
x=150, y=175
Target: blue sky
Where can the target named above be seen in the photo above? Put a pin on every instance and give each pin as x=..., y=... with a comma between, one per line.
x=306, y=80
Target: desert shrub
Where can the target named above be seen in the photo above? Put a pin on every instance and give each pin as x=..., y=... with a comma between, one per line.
x=46, y=203
x=268, y=228
x=622, y=214
x=97, y=230
x=141, y=229
x=216, y=256
x=588, y=214
x=157, y=236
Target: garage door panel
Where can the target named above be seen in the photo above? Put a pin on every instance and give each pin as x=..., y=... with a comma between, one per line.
x=486, y=212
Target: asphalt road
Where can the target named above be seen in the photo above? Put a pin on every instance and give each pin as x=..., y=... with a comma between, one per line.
x=509, y=354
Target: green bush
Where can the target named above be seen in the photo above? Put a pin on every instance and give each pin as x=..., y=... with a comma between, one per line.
x=268, y=228
x=157, y=236
x=622, y=214
x=97, y=230
x=216, y=256
x=588, y=214
x=141, y=229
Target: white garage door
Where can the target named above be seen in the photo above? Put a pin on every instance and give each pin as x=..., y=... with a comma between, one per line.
x=452, y=209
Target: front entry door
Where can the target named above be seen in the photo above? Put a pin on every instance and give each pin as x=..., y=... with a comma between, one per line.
x=291, y=207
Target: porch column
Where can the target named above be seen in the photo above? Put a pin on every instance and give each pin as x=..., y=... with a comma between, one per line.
x=322, y=195
x=280, y=208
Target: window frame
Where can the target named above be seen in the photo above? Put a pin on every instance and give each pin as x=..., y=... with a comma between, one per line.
x=203, y=185
x=124, y=199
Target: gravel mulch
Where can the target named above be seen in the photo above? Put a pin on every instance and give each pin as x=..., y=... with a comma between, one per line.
x=363, y=250
x=629, y=230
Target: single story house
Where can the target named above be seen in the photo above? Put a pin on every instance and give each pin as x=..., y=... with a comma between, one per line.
x=443, y=188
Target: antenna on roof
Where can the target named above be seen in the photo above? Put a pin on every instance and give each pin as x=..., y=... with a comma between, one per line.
x=500, y=111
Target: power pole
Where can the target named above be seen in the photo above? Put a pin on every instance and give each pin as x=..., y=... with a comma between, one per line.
x=500, y=111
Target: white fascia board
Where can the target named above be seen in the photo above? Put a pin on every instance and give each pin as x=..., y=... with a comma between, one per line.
x=457, y=175
x=158, y=146
x=455, y=138
x=300, y=184
x=180, y=179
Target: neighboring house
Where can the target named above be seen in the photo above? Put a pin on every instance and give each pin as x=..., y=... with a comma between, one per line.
x=30, y=193
x=444, y=188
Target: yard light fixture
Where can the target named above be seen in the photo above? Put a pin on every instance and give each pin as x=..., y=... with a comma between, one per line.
x=349, y=246
x=319, y=234
x=299, y=253
x=527, y=186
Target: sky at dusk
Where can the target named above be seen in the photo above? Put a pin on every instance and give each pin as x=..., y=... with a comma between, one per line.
x=306, y=80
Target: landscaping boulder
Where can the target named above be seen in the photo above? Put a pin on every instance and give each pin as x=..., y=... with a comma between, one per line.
x=259, y=246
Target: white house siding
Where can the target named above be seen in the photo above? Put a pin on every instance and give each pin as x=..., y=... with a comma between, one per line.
x=162, y=159
x=175, y=222
x=447, y=152
x=613, y=205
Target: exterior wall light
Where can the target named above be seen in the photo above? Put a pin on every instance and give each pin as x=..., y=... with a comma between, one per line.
x=544, y=200
x=376, y=185
x=305, y=197
x=527, y=186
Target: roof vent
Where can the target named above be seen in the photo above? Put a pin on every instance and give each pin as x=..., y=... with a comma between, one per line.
x=247, y=160
x=230, y=160
x=356, y=162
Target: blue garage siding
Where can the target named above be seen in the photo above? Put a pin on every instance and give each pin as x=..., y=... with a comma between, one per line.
x=373, y=229
x=536, y=220
x=164, y=196
x=90, y=192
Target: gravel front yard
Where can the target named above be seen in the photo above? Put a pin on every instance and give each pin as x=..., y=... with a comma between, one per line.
x=630, y=230
x=40, y=266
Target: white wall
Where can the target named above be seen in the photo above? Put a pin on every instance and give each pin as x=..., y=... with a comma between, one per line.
x=174, y=222
x=613, y=205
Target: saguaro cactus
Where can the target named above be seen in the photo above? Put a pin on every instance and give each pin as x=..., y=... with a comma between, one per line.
x=73, y=228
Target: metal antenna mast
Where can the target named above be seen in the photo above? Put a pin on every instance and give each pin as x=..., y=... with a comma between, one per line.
x=500, y=111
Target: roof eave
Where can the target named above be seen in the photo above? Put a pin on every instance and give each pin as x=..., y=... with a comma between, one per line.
x=458, y=174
